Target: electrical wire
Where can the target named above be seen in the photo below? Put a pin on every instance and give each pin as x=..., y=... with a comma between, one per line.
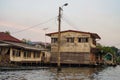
x=34, y=25
x=69, y=22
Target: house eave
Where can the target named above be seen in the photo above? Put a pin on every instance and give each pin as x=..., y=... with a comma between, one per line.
x=96, y=36
x=21, y=45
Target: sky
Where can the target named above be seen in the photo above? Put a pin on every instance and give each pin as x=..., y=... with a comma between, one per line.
x=29, y=18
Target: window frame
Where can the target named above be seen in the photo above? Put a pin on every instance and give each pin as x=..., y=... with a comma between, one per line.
x=16, y=53
x=36, y=55
x=54, y=40
x=83, y=39
x=70, y=39
x=27, y=54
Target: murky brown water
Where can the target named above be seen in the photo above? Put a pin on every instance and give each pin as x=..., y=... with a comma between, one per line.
x=84, y=73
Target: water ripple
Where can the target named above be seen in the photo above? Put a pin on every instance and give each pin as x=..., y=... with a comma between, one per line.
x=110, y=73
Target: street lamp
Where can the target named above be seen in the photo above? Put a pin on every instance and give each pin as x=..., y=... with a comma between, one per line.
x=59, y=35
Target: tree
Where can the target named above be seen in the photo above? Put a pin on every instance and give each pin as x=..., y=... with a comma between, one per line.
x=115, y=50
x=107, y=49
x=26, y=41
x=7, y=32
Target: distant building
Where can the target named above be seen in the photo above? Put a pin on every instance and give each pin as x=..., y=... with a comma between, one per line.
x=46, y=46
x=109, y=58
x=13, y=50
x=41, y=45
x=77, y=47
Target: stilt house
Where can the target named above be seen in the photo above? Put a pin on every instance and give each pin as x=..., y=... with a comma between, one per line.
x=14, y=50
x=76, y=47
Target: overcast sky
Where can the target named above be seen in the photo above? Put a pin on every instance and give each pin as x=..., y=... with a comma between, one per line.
x=97, y=16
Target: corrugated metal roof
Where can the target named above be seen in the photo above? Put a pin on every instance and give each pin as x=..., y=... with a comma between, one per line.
x=21, y=45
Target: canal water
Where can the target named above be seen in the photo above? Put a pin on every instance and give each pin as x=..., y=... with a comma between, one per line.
x=82, y=73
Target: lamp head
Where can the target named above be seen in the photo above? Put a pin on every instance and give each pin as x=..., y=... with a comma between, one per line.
x=65, y=4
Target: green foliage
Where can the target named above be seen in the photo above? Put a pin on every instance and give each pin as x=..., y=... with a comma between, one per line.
x=7, y=32
x=107, y=49
x=114, y=49
x=118, y=59
x=26, y=41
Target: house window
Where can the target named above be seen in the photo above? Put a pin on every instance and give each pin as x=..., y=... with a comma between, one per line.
x=27, y=54
x=82, y=40
x=43, y=54
x=94, y=42
x=16, y=53
x=36, y=54
x=70, y=39
x=54, y=40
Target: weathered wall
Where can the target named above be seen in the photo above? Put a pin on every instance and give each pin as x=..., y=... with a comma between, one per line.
x=72, y=47
x=73, y=53
x=71, y=58
x=22, y=58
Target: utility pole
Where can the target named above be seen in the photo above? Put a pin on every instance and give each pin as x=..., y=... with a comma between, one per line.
x=59, y=36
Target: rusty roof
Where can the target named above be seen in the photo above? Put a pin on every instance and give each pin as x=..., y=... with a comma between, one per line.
x=7, y=37
x=95, y=35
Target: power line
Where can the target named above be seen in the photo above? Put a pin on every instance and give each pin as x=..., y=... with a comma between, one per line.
x=69, y=22
x=117, y=43
x=34, y=26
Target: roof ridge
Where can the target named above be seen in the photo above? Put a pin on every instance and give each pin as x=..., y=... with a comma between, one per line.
x=8, y=37
x=94, y=34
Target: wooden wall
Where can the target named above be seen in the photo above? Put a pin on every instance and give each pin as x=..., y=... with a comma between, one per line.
x=71, y=58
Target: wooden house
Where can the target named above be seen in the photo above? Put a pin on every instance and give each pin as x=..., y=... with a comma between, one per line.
x=76, y=47
x=13, y=50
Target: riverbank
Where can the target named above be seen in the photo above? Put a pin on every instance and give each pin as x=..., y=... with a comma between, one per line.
x=21, y=68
